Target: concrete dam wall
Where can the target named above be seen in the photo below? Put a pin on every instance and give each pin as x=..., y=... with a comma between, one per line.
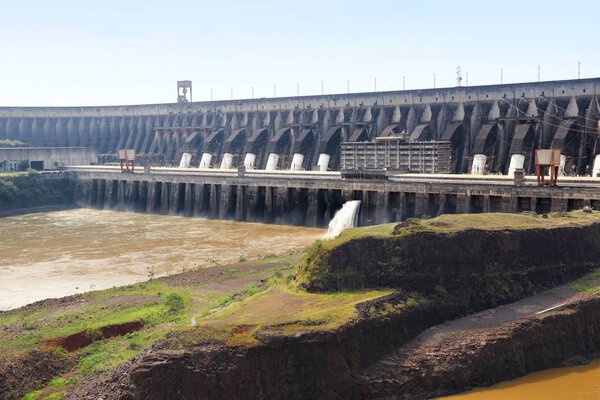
x=307, y=200
x=496, y=121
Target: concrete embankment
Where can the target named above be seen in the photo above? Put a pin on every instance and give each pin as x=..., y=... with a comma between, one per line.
x=438, y=276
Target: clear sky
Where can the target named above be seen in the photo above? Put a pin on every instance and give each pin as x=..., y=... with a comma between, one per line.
x=84, y=52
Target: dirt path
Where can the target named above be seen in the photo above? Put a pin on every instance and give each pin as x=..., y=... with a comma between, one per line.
x=434, y=352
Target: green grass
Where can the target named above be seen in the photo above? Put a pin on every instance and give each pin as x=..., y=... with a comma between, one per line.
x=589, y=283
x=163, y=308
x=451, y=223
x=284, y=308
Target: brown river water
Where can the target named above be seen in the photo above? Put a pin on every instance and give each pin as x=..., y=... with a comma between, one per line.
x=60, y=253
x=573, y=383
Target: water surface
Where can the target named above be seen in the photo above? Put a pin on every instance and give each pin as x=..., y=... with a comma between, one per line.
x=61, y=253
x=581, y=382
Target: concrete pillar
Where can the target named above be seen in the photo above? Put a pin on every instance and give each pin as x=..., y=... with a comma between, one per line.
x=346, y=195
x=197, y=202
x=381, y=208
x=224, y=200
x=281, y=200
x=164, y=198
x=188, y=201
x=213, y=208
x=100, y=194
x=130, y=194
x=150, y=197
x=511, y=204
x=421, y=204
x=270, y=196
x=559, y=204
x=240, y=203
x=120, y=195
x=312, y=209
x=142, y=196
x=173, y=198
x=486, y=204
x=251, y=194
x=442, y=199
x=108, y=194
x=463, y=204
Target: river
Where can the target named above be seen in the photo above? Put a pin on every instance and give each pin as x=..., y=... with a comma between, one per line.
x=581, y=382
x=66, y=252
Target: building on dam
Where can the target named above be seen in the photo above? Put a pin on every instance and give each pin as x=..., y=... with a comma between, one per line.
x=496, y=123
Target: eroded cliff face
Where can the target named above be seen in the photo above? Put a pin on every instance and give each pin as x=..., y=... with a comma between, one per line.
x=454, y=273
x=562, y=337
x=479, y=268
x=366, y=360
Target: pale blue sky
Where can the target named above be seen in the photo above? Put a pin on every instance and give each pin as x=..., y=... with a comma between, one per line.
x=81, y=52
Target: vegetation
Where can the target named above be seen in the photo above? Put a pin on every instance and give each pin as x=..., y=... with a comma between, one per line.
x=243, y=302
x=240, y=306
x=451, y=223
x=27, y=190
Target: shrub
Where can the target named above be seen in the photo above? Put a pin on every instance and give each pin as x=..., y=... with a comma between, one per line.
x=174, y=302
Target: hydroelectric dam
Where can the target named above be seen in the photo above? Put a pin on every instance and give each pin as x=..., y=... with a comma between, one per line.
x=299, y=141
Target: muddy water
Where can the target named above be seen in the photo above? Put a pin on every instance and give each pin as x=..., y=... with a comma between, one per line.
x=573, y=383
x=60, y=253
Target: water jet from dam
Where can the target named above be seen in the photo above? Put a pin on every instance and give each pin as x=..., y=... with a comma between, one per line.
x=346, y=217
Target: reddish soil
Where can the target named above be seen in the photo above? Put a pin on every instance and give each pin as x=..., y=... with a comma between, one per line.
x=121, y=329
x=83, y=339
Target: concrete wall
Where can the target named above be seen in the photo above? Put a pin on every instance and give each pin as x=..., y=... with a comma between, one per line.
x=496, y=120
x=311, y=202
x=52, y=157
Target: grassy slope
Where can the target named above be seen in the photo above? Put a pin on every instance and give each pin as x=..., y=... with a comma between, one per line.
x=232, y=308
x=242, y=294
x=450, y=223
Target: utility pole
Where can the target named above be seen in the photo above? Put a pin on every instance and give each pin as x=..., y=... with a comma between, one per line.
x=458, y=76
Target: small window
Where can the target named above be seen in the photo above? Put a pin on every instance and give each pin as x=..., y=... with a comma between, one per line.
x=563, y=92
x=469, y=97
x=583, y=90
x=486, y=96
x=452, y=97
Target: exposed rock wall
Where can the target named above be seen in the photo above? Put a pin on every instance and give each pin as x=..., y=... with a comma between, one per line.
x=478, y=268
x=560, y=338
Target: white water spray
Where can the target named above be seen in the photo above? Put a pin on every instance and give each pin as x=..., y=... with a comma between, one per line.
x=346, y=217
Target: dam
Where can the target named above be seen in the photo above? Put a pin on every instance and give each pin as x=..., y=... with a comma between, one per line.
x=312, y=198
x=497, y=121
x=282, y=160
